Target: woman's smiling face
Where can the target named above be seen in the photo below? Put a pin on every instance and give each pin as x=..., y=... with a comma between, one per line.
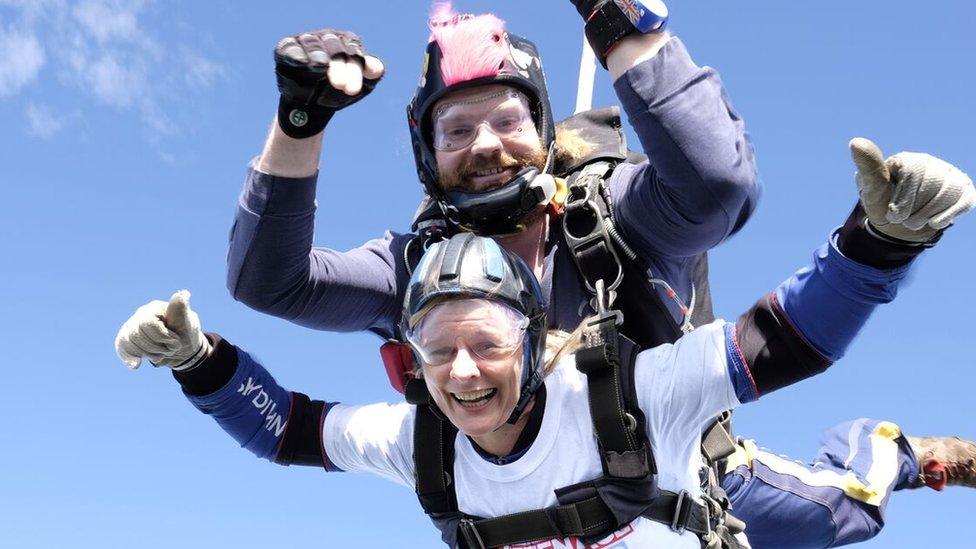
x=471, y=355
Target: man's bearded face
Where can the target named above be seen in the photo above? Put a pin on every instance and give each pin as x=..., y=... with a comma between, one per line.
x=502, y=139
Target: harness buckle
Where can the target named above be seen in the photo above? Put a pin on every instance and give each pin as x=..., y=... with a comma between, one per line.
x=682, y=512
x=469, y=532
x=586, y=234
x=602, y=301
x=708, y=520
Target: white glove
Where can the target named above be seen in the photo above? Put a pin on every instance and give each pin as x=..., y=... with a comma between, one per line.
x=168, y=334
x=909, y=196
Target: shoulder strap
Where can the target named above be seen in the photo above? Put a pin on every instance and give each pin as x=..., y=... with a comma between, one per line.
x=430, y=225
x=607, y=360
x=433, y=452
x=596, y=246
x=717, y=442
x=600, y=253
x=585, y=227
x=433, y=461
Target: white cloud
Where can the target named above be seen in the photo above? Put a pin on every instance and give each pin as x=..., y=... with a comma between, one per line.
x=106, y=20
x=109, y=52
x=156, y=119
x=32, y=9
x=21, y=59
x=113, y=82
x=42, y=122
x=200, y=72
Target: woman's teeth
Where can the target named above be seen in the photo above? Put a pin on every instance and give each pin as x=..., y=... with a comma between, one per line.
x=474, y=397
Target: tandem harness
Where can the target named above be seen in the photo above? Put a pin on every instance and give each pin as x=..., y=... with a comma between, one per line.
x=590, y=510
x=609, y=269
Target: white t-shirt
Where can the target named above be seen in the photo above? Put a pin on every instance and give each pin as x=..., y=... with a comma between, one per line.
x=680, y=388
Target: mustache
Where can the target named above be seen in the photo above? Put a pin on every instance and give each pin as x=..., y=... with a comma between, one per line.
x=501, y=159
x=474, y=165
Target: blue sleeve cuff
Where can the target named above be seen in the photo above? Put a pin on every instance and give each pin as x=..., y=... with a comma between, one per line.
x=857, y=281
x=252, y=408
x=831, y=300
x=739, y=373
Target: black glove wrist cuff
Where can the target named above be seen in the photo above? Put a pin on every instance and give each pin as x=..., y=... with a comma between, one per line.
x=213, y=372
x=301, y=121
x=877, y=233
x=860, y=241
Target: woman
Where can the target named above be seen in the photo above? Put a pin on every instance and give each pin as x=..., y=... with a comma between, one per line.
x=474, y=318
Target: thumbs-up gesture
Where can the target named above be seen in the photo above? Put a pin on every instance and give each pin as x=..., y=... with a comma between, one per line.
x=168, y=334
x=909, y=196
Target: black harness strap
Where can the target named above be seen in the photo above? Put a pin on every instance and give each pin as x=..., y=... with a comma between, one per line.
x=586, y=234
x=596, y=248
x=588, y=518
x=433, y=449
x=602, y=256
x=580, y=519
x=606, y=359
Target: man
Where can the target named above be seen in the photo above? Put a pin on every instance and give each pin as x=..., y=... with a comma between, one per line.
x=483, y=136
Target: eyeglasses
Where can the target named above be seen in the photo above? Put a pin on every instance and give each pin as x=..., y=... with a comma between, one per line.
x=506, y=114
x=496, y=337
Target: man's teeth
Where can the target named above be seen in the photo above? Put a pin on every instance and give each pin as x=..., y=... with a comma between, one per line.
x=493, y=171
x=472, y=396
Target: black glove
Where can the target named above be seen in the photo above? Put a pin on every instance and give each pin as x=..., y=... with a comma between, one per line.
x=308, y=101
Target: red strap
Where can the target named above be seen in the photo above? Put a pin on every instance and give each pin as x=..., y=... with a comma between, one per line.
x=398, y=360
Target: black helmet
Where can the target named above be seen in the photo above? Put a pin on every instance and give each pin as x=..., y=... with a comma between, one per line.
x=471, y=267
x=522, y=69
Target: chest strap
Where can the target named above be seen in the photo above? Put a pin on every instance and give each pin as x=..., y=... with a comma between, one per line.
x=582, y=519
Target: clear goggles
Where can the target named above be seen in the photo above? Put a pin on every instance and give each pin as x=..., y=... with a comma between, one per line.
x=496, y=335
x=506, y=114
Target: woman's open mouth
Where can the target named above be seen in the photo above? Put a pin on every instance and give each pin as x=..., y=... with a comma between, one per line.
x=474, y=399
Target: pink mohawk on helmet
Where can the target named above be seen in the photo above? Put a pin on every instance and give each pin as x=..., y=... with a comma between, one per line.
x=472, y=46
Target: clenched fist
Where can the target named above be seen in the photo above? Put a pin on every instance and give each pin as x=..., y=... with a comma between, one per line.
x=319, y=73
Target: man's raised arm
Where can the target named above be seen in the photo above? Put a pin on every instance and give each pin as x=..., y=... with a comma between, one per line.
x=700, y=184
x=271, y=265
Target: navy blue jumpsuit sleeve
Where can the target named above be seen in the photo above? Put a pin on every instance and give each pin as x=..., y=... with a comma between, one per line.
x=273, y=267
x=700, y=182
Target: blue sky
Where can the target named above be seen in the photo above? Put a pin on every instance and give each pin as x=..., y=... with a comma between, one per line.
x=127, y=126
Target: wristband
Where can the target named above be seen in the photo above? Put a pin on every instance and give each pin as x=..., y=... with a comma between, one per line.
x=612, y=20
x=301, y=121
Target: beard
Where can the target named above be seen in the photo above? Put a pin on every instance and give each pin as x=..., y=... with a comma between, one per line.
x=460, y=179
